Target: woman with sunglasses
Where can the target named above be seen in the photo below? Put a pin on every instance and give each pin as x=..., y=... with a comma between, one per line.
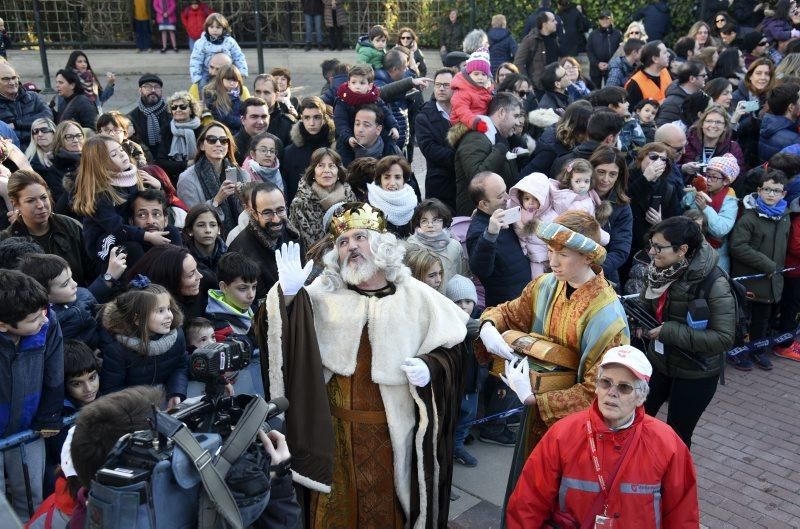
x=686, y=358
x=214, y=177
x=408, y=38
x=710, y=136
x=721, y=19
x=179, y=137
x=41, y=145
x=656, y=196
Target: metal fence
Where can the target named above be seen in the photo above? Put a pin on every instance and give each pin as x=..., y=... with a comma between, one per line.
x=108, y=23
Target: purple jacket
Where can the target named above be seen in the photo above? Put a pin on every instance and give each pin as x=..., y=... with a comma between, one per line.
x=776, y=29
x=165, y=11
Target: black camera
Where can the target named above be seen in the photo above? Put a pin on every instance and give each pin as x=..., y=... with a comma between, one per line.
x=209, y=362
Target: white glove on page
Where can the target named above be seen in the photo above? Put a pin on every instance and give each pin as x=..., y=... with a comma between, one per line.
x=417, y=372
x=291, y=274
x=518, y=378
x=494, y=342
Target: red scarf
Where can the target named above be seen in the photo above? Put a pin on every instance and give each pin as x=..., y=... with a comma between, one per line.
x=716, y=204
x=354, y=98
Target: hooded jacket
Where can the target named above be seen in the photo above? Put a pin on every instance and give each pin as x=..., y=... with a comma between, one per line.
x=469, y=101
x=776, y=29
x=194, y=19
x=670, y=109
x=502, y=47
x=298, y=153
x=227, y=319
x=369, y=54
x=535, y=249
x=693, y=353
x=758, y=246
x=657, y=485
x=777, y=132
x=656, y=18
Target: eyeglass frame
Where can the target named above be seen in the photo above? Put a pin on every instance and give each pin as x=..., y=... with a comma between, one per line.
x=623, y=388
x=659, y=248
x=213, y=140
x=268, y=213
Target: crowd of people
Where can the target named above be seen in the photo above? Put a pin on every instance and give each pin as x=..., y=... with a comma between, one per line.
x=564, y=168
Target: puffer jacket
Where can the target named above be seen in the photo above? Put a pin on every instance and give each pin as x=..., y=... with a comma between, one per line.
x=670, y=109
x=777, y=132
x=22, y=111
x=77, y=318
x=194, y=19
x=398, y=105
x=758, y=246
x=369, y=54
x=204, y=49
x=535, y=249
x=776, y=29
x=692, y=353
x=502, y=47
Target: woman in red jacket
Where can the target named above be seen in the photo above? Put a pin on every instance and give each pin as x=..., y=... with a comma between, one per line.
x=611, y=465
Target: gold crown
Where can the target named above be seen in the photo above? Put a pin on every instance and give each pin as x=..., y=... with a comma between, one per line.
x=357, y=215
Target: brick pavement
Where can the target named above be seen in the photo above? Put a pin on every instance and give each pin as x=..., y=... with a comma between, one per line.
x=748, y=469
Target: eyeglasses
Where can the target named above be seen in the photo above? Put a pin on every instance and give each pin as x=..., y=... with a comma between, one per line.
x=523, y=93
x=713, y=177
x=657, y=247
x=179, y=107
x=73, y=137
x=407, y=37
x=13, y=79
x=434, y=222
x=772, y=191
x=43, y=130
x=720, y=20
x=265, y=151
x=678, y=149
x=111, y=131
x=211, y=140
x=763, y=43
x=151, y=87
x=634, y=33
x=704, y=75
x=144, y=215
x=653, y=157
x=714, y=122
x=623, y=387
x=441, y=85
x=268, y=213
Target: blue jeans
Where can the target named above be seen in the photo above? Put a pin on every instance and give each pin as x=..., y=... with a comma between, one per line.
x=316, y=22
x=467, y=413
x=191, y=44
x=142, y=30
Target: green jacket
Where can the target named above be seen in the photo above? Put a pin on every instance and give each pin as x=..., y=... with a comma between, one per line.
x=475, y=153
x=758, y=246
x=681, y=340
x=368, y=54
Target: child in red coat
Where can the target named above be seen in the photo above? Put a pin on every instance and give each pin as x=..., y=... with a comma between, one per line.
x=472, y=92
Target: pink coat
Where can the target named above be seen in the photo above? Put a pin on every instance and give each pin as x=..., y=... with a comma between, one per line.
x=468, y=102
x=166, y=11
x=538, y=185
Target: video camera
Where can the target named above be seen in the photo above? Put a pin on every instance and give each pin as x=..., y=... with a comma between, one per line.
x=209, y=363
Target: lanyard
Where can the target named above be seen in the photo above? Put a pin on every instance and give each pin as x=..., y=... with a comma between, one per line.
x=596, y=463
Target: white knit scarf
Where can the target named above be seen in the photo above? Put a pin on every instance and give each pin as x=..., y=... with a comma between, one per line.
x=398, y=206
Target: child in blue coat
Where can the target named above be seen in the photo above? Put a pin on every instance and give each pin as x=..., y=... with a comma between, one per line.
x=216, y=38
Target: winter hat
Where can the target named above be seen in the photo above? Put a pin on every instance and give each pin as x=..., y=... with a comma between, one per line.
x=725, y=164
x=479, y=61
x=543, y=117
x=750, y=41
x=459, y=287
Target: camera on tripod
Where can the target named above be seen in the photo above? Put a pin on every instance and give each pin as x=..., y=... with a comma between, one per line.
x=210, y=362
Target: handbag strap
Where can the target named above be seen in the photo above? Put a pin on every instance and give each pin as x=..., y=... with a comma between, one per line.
x=600, y=499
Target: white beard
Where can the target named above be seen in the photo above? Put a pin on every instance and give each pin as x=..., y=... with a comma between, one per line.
x=360, y=273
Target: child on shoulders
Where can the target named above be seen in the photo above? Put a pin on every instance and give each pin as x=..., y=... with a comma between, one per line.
x=532, y=195
x=371, y=48
x=472, y=92
x=574, y=190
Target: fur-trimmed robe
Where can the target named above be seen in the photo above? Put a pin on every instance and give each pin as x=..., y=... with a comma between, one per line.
x=318, y=335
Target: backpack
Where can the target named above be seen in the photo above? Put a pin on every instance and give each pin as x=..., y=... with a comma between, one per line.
x=741, y=306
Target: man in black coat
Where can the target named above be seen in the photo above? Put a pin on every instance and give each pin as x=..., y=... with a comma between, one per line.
x=268, y=228
x=432, y=124
x=255, y=120
x=603, y=43
x=18, y=107
x=280, y=118
x=150, y=115
x=576, y=25
x=314, y=130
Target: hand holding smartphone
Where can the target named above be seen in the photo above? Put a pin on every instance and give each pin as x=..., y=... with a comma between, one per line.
x=512, y=215
x=231, y=174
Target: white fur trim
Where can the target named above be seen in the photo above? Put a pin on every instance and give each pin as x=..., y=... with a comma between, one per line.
x=310, y=483
x=274, y=347
x=419, y=523
x=436, y=467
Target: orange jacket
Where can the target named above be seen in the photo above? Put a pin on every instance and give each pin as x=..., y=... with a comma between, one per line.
x=649, y=88
x=656, y=487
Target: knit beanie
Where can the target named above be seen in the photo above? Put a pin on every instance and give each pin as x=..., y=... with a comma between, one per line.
x=459, y=287
x=725, y=164
x=479, y=61
x=750, y=41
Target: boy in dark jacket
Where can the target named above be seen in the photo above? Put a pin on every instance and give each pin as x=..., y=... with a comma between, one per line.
x=73, y=305
x=229, y=308
x=32, y=386
x=758, y=246
x=502, y=46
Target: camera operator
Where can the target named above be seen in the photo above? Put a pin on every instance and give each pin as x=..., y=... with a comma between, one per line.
x=101, y=424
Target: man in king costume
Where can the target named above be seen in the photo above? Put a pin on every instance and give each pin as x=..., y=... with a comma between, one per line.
x=371, y=361
x=575, y=307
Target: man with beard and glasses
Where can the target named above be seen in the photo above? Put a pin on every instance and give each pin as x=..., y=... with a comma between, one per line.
x=371, y=360
x=150, y=115
x=267, y=229
x=148, y=211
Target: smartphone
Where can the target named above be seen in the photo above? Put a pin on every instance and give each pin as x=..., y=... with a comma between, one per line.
x=655, y=202
x=512, y=215
x=231, y=174
x=750, y=106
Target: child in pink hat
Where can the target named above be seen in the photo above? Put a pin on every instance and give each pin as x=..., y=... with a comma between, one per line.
x=472, y=92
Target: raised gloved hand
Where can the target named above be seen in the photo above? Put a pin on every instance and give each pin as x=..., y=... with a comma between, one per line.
x=417, y=372
x=518, y=378
x=291, y=274
x=494, y=343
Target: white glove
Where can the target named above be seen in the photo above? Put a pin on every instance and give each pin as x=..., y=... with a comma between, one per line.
x=417, y=372
x=291, y=274
x=494, y=342
x=518, y=378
